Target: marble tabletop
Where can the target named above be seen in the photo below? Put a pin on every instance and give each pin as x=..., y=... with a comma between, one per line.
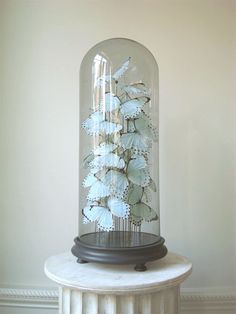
x=169, y=271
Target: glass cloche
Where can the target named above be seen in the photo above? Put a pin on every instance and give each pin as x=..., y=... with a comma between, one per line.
x=119, y=218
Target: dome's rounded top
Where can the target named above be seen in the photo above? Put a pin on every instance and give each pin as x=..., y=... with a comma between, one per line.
x=122, y=44
x=109, y=55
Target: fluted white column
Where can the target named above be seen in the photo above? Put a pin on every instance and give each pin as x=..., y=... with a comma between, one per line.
x=90, y=303
x=161, y=302
x=76, y=302
x=107, y=304
x=145, y=304
x=126, y=304
x=66, y=301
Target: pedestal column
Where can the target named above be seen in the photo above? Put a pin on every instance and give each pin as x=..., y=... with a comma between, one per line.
x=107, y=289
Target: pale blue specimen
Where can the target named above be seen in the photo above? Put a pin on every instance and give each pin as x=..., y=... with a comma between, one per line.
x=103, y=215
x=119, y=181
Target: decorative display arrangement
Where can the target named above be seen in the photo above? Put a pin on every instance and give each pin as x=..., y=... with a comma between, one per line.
x=119, y=198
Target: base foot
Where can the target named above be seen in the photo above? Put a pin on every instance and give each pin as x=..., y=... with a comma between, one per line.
x=140, y=267
x=81, y=261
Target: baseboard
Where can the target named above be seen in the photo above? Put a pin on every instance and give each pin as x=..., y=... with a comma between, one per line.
x=193, y=301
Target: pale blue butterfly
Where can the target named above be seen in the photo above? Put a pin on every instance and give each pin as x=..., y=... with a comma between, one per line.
x=117, y=183
x=136, y=89
x=137, y=171
x=135, y=141
x=109, y=160
x=95, y=125
x=97, y=191
x=89, y=180
x=135, y=194
x=131, y=108
x=103, y=215
x=144, y=126
x=104, y=148
x=142, y=211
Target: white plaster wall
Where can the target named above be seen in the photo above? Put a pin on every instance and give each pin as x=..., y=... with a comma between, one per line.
x=42, y=45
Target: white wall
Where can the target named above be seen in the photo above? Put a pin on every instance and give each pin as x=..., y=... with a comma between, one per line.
x=43, y=42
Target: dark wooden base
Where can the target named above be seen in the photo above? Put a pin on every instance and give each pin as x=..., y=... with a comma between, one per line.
x=119, y=247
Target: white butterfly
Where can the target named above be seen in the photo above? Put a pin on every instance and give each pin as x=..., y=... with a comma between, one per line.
x=137, y=171
x=118, y=207
x=136, y=89
x=89, y=180
x=144, y=126
x=109, y=103
x=95, y=175
x=119, y=72
x=135, y=194
x=103, y=215
x=109, y=160
x=142, y=211
x=94, y=170
x=95, y=125
x=104, y=148
x=135, y=141
x=132, y=107
x=97, y=190
x=102, y=80
x=117, y=183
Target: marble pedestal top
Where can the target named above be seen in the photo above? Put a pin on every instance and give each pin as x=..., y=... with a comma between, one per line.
x=167, y=272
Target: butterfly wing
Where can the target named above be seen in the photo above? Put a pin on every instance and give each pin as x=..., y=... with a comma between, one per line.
x=109, y=103
x=105, y=222
x=138, y=162
x=89, y=180
x=104, y=148
x=144, y=127
x=99, y=214
x=135, y=141
x=117, y=183
x=136, y=89
x=94, y=170
x=95, y=125
x=108, y=127
x=97, y=191
x=132, y=107
x=118, y=207
x=144, y=212
x=121, y=70
x=109, y=160
x=139, y=177
x=91, y=124
x=135, y=194
x=137, y=171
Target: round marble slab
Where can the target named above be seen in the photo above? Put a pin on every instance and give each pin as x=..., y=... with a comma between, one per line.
x=169, y=271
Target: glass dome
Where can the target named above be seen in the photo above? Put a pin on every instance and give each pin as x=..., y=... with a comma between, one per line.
x=118, y=168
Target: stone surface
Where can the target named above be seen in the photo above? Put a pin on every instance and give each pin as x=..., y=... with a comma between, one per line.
x=103, y=278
